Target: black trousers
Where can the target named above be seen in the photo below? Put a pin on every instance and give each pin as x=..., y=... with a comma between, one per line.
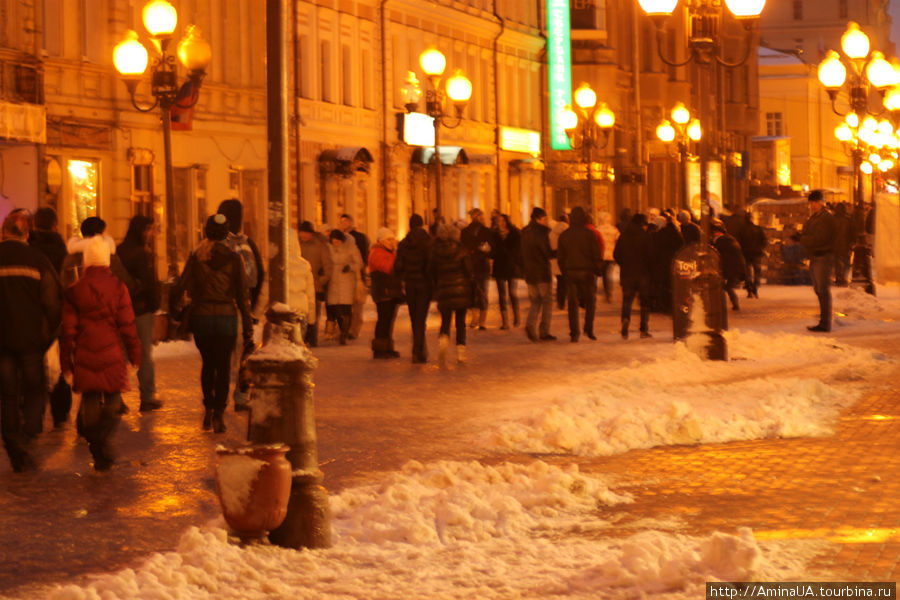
x=98, y=416
x=215, y=374
x=387, y=313
x=447, y=314
x=417, y=301
x=311, y=337
x=22, y=399
x=640, y=287
x=581, y=289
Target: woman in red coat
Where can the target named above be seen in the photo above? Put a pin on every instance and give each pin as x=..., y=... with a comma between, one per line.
x=97, y=318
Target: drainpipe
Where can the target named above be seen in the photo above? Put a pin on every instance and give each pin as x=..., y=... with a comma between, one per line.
x=636, y=86
x=385, y=112
x=297, y=119
x=497, y=102
x=545, y=147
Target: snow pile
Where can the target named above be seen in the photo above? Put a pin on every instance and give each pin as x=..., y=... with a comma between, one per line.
x=684, y=399
x=855, y=304
x=451, y=501
x=469, y=531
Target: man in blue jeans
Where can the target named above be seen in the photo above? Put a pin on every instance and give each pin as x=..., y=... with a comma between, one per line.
x=31, y=299
x=817, y=239
x=536, y=255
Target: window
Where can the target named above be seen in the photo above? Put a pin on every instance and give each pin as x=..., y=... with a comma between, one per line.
x=306, y=72
x=588, y=14
x=798, y=10
x=52, y=27
x=83, y=189
x=366, y=71
x=774, y=124
x=142, y=190
x=326, y=71
x=346, y=75
x=842, y=9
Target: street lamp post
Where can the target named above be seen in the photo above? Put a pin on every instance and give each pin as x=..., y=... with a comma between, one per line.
x=681, y=129
x=130, y=58
x=593, y=124
x=458, y=90
x=705, y=48
x=858, y=71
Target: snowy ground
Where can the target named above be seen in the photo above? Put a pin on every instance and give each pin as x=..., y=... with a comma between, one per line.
x=529, y=529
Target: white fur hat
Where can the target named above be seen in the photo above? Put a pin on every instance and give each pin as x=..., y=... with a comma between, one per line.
x=96, y=252
x=383, y=234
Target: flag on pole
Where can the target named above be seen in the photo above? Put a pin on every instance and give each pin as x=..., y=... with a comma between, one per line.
x=182, y=113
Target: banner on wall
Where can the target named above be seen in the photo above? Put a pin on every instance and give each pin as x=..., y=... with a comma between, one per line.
x=559, y=69
x=23, y=122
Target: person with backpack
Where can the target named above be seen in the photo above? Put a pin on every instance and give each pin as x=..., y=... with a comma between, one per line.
x=240, y=243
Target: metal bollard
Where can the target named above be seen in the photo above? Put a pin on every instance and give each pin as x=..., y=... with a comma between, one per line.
x=281, y=411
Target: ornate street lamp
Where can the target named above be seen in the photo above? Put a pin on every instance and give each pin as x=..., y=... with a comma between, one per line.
x=588, y=128
x=456, y=91
x=681, y=129
x=705, y=47
x=131, y=57
x=858, y=71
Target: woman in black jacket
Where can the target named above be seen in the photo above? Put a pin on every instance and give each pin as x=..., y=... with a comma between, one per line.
x=450, y=271
x=215, y=279
x=506, y=250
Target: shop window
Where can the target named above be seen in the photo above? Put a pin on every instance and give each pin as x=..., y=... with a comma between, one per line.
x=83, y=190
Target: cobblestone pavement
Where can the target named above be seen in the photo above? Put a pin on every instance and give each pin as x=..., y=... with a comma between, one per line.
x=67, y=522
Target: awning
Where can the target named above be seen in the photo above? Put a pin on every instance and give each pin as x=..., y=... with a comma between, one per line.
x=450, y=155
x=527, y=164
x=346, y=160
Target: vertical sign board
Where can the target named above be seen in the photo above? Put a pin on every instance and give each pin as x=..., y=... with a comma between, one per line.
x=559, y=69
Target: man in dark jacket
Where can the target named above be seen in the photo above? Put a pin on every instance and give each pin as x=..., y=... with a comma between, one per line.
x=753, y=245
x=476, y=239
x=536, y=255
x=46, y=238
x=843, y=244
x=411, y=266
x=578, y=255
x=633, y=253
x=137, y=257
x=734, y=271
x=31, y=302
x=314, y=248
x=817, y=239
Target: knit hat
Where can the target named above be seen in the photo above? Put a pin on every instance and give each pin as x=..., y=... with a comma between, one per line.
x=416, y=220
x=92, y=226
x=216, y=227
x=383, y=234
x=307, y=227
x=234, y=212
x=815, y=196
x=96, y=253
x=337, y=234
x=538, y=213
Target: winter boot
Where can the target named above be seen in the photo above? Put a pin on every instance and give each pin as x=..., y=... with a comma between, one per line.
x=460, y=354
x=515, y=316
x=505, y=317
x=482, y=319
x=344, y=326
x=218, y=421
x=207, y=419
x=624, y=329
x=443, y=345
x=382, y=348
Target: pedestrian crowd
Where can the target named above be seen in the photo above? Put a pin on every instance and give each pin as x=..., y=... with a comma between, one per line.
x=85, y=309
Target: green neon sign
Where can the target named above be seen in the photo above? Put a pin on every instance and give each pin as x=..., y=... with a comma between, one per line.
x=559, y=69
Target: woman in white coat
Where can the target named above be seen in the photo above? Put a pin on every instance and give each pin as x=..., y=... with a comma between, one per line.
x=301, y=293
x=347, y=266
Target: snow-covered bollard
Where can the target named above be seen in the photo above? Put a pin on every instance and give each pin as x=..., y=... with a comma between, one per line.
x=699, y=313
x=282, y=411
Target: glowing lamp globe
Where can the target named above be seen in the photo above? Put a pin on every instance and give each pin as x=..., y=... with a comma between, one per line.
x=604, y=117
x=459, y=88
x=433, y=62
x=843, y=132
x=694, y=131
x=680, y=114
x=567, y=119
x=665, y=131
x=832, y=72
x=129, y=56
x=852, y=119
x=879, y=71
x=193, y=51
x=892, y=99
x=866, y=167
x=159, y=18
x=854, y=42
x=584, y=96
x=745, y=9
x=658, y=7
